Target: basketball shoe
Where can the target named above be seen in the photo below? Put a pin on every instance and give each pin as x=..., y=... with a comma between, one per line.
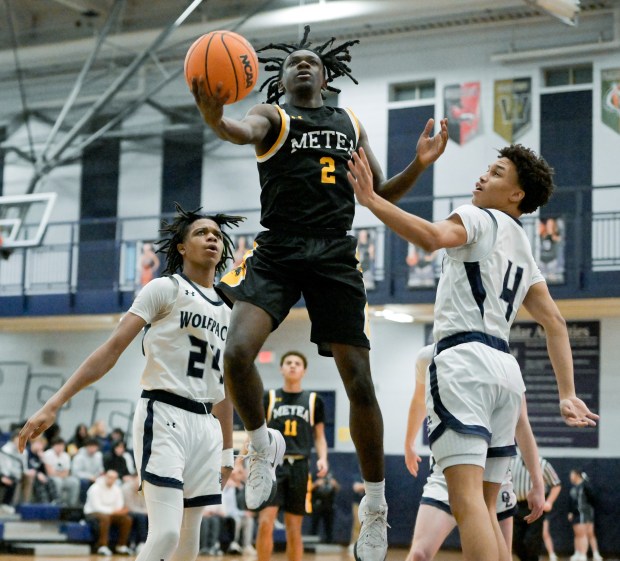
x=372, y=543
x=260, y=487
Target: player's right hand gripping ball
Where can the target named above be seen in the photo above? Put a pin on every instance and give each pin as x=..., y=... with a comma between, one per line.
x=223, y=56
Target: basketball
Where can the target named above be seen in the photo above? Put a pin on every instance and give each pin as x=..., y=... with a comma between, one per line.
x=223, y=56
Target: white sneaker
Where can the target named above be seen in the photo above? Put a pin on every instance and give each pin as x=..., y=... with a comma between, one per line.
x=372, y=543
x=104, y=550
x=578, y=557
x=597, y=556
x=249, y=550
x=553, y=557
x=234, y=547
x=260, y=487
x=123, y=550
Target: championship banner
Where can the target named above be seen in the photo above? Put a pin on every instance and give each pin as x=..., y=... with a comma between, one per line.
x=610, y=98
x=462, y=107
x=512, y=102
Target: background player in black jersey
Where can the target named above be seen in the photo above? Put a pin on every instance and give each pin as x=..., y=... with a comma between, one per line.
x=300, y=416
x=307, y=206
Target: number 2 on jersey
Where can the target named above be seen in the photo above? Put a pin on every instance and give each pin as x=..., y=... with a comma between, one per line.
x=328, y=169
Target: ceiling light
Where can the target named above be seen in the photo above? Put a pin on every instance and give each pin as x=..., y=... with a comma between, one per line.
x=565, y=10
x=316, y=12
x=391, y=315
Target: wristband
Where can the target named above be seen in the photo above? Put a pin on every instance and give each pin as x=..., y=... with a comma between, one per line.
x=228, y=459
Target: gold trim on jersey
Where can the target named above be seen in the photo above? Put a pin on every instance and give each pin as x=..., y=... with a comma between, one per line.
x=311, y=407
x=309, y=495
x=356, y=124
x=272, y=402
x=237, y=275
x=366, y=321
x=285, y=127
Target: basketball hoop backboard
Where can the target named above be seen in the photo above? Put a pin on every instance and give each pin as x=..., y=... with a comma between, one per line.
x=24, y=219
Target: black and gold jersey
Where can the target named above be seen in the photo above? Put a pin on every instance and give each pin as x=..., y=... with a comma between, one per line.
x=294, y=415
x=303, y=176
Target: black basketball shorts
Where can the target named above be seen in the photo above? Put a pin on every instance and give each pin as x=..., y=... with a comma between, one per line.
x=294, y=493
x=283, y=267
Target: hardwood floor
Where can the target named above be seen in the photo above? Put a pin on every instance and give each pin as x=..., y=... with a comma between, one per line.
x=393, y=555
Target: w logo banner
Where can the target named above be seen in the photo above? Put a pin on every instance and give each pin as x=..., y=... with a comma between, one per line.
x=610, y=98
x=513, y=108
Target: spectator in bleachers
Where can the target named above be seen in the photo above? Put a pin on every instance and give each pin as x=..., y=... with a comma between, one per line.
x=43, y=488
x=105, y=503
x=117, y=434
x=233, y=502
x=99, y=430
x=78, y=439
x=57, y=466
x=52, y=432
x=119, y=460
x=87, y=465
x=16, y=468
x=210, y=530
x=136, y=505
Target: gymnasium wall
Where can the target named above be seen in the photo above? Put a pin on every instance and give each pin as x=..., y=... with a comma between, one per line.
x=394, y=347
x=230, y=182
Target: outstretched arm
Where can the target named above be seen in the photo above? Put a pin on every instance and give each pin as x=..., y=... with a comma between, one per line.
x=92, y=369
x=252, y=129
x=529, y=453
x=428, y=150
x=427, y=235
x=544, y=310
x=417, y=413
x=224, y=413
x=320, y=444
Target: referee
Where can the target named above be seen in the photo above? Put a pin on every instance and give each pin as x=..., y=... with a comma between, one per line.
x=528, y=538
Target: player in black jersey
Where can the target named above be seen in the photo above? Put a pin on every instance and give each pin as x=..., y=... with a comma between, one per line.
x=299, y=415
x=307, y=206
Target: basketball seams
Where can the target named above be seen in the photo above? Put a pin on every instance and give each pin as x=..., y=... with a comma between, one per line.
x=206, y=59
x=232, y=63
x=223, y=56
x=249, y=51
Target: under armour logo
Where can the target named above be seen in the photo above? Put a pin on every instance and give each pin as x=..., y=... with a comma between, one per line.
x=173, y=425
x=187, y=293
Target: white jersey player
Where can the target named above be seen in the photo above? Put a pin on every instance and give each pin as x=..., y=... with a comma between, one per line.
x=182, y=450
x=434, y=520
x=475, y=386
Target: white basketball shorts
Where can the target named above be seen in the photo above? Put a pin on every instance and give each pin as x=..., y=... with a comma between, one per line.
x=475, y=391
x=177, y=448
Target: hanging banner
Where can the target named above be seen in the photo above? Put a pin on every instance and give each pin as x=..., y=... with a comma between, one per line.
x=512, y=101
x=462, y=107
x=529, y=346
x=610, y=98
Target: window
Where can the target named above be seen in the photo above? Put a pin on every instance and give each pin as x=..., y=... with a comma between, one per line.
x=568, y=75
x=412, y=91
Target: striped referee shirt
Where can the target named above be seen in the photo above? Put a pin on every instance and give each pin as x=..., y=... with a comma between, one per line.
x=521, y=477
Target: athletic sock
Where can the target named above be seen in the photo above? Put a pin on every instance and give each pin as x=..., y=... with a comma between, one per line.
x=375, y=494
x=259, y=438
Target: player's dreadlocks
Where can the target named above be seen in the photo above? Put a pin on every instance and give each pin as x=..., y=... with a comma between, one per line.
x=174, y=233
x=334, y=62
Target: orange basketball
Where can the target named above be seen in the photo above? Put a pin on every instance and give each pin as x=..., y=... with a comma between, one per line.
x=223, y=56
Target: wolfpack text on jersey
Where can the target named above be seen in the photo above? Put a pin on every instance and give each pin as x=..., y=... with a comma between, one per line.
x=189, y=363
